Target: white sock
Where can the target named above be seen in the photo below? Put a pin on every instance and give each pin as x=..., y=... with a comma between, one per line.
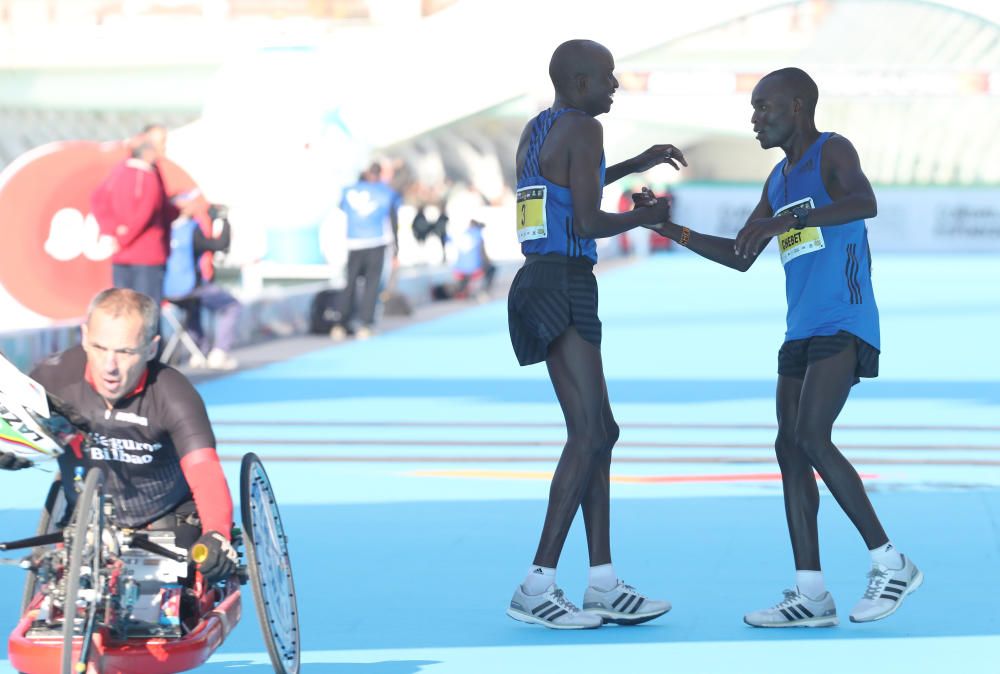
x=538, y=580
x=810, y=583
x=603, y=577
x=887, y=555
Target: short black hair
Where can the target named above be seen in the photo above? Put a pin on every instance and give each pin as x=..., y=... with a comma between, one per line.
x=568, y=59
x=799, y=84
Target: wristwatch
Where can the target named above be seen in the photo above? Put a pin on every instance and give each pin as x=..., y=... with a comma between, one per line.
x=801, y=215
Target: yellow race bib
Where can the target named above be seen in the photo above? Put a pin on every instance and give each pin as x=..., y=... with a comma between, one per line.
x=797, y=242
x=531, y=222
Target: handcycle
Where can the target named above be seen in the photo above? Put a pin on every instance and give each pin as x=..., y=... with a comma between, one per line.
x=105, y=599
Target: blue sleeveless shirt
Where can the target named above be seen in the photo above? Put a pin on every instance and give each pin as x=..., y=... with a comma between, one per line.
x=828, y=281
x=545, y=209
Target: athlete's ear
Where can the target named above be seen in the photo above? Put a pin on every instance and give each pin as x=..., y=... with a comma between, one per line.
x=83, y=334
x=152, y=348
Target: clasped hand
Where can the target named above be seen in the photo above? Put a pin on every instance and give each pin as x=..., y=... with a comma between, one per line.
x=755, y=234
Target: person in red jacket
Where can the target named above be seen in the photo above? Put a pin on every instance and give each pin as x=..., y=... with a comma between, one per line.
x=133, y=207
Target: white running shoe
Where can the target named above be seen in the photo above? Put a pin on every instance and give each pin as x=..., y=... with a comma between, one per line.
x=623, y=605
x=551, y=609
x=796, y=610
x=338, y=333
x=886, y=590
x=220, y=360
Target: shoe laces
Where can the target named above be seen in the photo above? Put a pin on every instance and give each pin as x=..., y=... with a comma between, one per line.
x=625, y=587
x=877, y=579
x=560, y=600
x=791, y=597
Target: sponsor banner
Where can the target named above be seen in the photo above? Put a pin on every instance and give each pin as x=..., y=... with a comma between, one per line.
x=910, y=219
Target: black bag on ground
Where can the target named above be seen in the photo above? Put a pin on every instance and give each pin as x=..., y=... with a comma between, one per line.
x=396, y=304
x=323, y=314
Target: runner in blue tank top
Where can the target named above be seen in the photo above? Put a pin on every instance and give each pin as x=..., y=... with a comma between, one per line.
x=815, y=202
x=552, y=311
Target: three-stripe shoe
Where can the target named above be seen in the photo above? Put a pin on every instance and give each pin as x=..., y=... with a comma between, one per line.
x=796, y=610
x=886, y=590
x=551, y=609
x=622, y=605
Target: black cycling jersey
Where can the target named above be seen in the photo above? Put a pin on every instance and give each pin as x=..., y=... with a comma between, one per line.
x=138, y=442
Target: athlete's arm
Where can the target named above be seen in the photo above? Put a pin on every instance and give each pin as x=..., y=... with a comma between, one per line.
x=657, y=154
x=851, y=194
x=847, y=185
x=717, y=248
x=204, y=476
x=590, y=222
x=191, y=433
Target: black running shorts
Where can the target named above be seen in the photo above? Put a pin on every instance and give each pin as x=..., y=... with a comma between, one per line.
x=797, y=354
x=549, y=294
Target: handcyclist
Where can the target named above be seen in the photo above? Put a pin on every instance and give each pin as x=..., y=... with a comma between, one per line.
x=145, y=426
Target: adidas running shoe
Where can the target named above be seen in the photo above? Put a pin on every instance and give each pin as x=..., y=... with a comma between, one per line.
x=623, y=605
x=796, y=610
x=886, y=590
x=551, y=609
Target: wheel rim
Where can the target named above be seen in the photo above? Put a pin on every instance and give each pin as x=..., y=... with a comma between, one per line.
x=269, y=567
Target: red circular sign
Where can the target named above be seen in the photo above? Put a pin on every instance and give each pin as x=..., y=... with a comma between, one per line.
x=51, y=259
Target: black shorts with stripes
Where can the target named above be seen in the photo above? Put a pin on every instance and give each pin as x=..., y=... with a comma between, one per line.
x=549, y=294
x=797, y=354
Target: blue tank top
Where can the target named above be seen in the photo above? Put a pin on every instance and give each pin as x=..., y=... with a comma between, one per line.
x=545, y=209
x=828, y=280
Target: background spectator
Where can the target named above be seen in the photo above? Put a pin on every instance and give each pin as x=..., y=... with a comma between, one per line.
x=132, y=206
x=371, y=207
x=188, y=283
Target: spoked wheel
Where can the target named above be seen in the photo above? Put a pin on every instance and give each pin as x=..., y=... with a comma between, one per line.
x=55, y=508
x=269, y=567
x=83, y=571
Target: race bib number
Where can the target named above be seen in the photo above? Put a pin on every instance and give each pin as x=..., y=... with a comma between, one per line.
x=798, y=242
x=531, y=222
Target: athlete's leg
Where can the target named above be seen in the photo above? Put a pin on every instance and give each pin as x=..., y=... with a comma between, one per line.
x=824, y=391
x=596, y=502
x=797, y=479
x=576, y=372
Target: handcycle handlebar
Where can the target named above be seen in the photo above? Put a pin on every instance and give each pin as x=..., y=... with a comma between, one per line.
x=136, y=541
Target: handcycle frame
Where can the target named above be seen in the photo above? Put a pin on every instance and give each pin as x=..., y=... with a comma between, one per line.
x=86, y=577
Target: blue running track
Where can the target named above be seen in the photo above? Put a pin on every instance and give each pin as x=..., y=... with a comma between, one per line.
x=412, y=471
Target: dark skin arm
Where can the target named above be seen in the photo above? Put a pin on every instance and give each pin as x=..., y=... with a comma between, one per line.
x=715, y=248
x=845, y=182
x=571, y=156
x=655, y=155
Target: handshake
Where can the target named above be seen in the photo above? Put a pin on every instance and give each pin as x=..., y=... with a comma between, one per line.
x=646, y=199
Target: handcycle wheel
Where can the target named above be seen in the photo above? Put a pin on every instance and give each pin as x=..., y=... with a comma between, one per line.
x=52, y=512
x=83, y=567
x=269, y=567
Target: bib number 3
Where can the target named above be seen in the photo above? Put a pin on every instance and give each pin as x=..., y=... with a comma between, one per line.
x=531, y=222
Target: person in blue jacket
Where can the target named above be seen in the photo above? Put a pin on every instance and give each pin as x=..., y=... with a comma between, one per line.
x=371, y=207
x=815, y=202
x=472, y=262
